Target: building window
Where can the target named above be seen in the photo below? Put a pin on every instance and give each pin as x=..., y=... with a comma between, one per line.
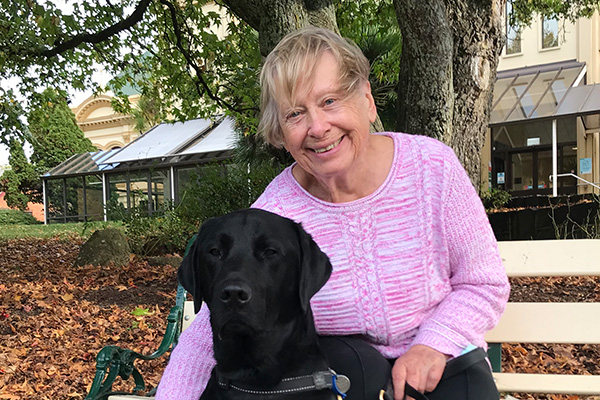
x=144, y=192
x=93, y=198
x=549, y=33
x=160, y=189
x=55, y=200
x=513, y=33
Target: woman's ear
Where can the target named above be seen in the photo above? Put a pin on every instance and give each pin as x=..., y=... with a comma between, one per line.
x=372, y=108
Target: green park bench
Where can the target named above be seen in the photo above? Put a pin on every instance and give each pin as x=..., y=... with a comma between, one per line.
x=114, y=362
x=573, y=323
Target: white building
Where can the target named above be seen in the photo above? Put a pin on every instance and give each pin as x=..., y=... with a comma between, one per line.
x=545, y=118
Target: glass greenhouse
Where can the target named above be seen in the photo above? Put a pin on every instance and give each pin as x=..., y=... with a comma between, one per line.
x=147, y=172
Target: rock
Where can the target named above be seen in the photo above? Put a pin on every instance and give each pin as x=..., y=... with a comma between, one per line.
x=104, y=247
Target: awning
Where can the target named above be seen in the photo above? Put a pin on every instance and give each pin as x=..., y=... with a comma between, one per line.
x=546, y=92
x=583, y=101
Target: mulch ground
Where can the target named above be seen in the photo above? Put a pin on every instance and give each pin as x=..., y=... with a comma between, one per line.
x=55, y=318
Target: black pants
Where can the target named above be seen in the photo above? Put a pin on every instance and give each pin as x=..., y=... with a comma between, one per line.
x=369, y=372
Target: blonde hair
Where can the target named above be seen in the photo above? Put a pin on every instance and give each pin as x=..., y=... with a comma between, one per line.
x=295, y=57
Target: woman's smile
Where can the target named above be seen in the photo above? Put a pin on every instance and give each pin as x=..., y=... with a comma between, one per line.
x=328, y=148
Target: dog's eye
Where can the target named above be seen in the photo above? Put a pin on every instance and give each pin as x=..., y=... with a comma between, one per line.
x=215, y=252
x=269, y=252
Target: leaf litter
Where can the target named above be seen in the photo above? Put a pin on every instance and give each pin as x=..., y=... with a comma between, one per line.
x=55, y=318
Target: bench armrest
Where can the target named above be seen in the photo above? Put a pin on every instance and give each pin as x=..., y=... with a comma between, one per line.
x=114, y=361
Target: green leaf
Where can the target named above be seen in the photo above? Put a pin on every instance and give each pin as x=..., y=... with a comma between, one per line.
x=140, y=312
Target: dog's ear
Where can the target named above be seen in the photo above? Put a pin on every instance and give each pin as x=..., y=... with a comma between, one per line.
x=189, y=273
x=315, y=268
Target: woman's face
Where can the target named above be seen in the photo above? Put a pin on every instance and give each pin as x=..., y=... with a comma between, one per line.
x=326, y=130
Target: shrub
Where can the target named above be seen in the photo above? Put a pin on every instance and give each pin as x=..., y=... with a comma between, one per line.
x=579, y=220
x=494, y=199
x=217, y=189
x=16, y=217
x=213, y=190
x=158, y=235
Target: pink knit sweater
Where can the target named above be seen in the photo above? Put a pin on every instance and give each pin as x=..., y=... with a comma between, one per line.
x=416, y=262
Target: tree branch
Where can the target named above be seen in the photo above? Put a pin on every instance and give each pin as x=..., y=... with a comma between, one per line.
x=201, y=85
x=101, y=36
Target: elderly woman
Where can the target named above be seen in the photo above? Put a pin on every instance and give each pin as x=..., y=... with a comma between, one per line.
x=416, y=270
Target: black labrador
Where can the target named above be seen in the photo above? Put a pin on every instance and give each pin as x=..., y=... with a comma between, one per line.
x=257, y=272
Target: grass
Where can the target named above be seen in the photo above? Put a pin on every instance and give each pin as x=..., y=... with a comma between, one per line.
x=63, y=231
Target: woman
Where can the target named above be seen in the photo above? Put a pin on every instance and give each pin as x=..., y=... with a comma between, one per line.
x=417, y=272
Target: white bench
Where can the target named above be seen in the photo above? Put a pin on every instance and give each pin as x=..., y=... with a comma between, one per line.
x=575, y=323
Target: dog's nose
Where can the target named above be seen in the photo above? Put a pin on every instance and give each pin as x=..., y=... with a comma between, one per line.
x=236, y=294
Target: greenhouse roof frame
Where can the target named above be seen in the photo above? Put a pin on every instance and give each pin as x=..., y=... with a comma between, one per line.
x=165, y=145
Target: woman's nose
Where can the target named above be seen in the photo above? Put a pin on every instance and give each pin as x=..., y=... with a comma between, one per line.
x=318, y=123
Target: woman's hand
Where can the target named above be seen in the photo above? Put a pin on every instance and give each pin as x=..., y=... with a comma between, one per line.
x=421, y=366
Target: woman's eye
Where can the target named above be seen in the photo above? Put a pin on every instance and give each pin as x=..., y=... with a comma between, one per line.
x=329, y=102
x=293, y=114
x=215, y=252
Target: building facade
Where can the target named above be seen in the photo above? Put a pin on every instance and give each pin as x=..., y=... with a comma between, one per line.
x=544, y=126
x=102, y=125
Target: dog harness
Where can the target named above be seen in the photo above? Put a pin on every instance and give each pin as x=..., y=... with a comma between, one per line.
x=321, y=380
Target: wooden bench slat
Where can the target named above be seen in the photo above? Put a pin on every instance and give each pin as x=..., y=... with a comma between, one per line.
x=551, y=257
x=548, y=323
x=548, y=383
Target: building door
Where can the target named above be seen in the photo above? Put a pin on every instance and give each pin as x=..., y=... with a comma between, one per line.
x=522, y=157
x=527, y=172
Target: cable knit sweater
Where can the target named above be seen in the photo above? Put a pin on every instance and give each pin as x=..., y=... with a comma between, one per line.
x=415, y=262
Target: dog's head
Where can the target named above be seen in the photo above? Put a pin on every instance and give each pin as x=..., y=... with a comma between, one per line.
x=253, y=268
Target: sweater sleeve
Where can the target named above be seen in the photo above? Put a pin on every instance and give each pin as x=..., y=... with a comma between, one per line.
x=479, y=285
x=191, y=362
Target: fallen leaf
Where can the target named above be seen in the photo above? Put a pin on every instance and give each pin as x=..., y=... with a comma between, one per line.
x=67, y=297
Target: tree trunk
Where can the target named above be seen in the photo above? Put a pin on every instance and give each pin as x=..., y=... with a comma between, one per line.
x=450, y=53
x=425, y=87
x=273, y=19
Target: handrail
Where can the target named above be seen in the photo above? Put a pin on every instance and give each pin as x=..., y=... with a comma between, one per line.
x=575, y=176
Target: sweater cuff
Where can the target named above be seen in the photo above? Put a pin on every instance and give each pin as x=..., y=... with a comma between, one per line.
x=441, y=338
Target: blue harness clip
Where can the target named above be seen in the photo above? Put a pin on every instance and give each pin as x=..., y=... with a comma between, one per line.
x=335, y=388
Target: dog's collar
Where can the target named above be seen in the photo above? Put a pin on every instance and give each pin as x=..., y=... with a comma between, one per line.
x=320, y=380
